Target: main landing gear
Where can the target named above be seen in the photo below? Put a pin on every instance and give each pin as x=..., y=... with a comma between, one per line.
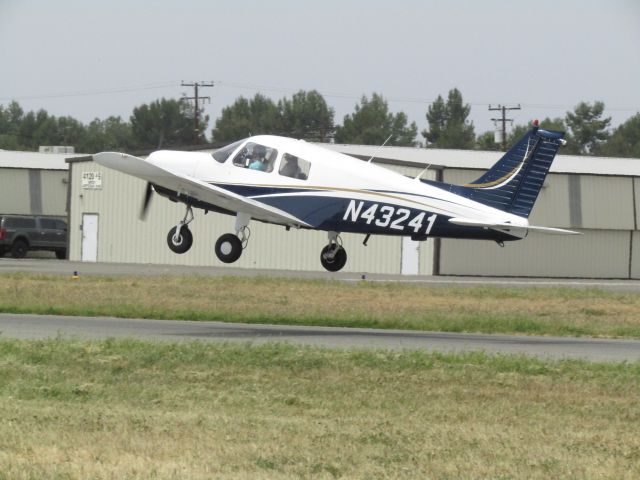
x=333, y=256
x=229, y=246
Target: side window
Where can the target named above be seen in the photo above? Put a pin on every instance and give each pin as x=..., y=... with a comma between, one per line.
x=256, y=157
x=294, y=167
x=20, y=222
x=61, y=225
x=48, y=223
x=224, y=153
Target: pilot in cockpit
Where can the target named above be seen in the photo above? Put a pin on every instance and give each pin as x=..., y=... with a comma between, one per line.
x=258, y=158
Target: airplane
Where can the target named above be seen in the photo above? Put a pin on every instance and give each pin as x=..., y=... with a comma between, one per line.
x=300, y=185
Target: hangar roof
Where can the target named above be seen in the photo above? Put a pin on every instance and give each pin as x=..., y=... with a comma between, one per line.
x=473, y=159
x=35, y=160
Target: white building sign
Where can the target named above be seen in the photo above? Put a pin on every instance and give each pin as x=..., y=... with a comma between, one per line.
x=92, y=180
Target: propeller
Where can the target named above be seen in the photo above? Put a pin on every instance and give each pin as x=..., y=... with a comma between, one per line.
x=145, y=203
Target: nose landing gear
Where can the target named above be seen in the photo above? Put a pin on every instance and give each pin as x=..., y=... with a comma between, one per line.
x=229, y=246
x=333, y=256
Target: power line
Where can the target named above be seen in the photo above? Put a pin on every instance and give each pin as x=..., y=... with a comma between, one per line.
x=271, y=88
x=197, y=100
x=503, y=120
x=88, y=93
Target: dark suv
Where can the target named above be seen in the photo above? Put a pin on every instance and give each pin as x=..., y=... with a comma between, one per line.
x=21, y=233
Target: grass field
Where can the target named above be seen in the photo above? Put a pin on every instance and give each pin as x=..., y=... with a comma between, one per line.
x=127, y=409
x=539, y=311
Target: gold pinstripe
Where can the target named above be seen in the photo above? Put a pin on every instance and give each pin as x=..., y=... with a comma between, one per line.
x=334, y=189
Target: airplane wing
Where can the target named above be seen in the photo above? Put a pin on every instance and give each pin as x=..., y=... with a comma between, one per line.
x=502, y=226
x=193, y=187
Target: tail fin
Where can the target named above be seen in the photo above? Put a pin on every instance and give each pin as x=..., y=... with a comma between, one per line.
x=514, y=182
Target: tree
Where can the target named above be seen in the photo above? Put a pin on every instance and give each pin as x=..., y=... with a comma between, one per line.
x=372, y=124
x=111, y=134
x=625, y=140
x=40, y=128
x=588, y=129
x=28, y=131
x=306, y=116
x=486, y=141
x=260, y=115
x=162, y=123
x=448, y=124
x=10, y=121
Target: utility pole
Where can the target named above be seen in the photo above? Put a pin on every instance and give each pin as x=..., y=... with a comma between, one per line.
x=197, y=100
x=503, y=120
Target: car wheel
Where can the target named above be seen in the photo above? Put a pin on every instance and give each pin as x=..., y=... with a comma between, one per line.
x=61, y=254
x=19, y=249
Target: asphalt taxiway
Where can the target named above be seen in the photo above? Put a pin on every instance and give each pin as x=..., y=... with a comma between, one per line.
x=84, y=328
x=65, y=267
x=47, y=326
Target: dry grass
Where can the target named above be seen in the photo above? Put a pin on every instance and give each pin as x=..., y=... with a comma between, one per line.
x=123, y=409
x=555, y=311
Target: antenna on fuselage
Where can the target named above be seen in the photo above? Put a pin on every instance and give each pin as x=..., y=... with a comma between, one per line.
x=417, y=179
x=376, y=152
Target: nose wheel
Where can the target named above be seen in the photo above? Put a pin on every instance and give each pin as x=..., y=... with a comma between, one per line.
x=180, y=241
x=333, y=256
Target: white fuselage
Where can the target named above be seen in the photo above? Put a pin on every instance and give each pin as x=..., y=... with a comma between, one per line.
x=332, y=174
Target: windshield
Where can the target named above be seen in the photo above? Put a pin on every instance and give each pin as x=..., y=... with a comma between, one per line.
x=256, y=157
x=224, y=153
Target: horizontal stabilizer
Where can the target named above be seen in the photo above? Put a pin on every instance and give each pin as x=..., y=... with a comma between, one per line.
x=505, y=226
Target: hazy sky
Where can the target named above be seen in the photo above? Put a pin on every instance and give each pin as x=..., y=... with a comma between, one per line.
x=93, y=59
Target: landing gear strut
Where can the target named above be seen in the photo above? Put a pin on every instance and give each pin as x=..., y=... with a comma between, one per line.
x=180, y=237
x=229, y=246
x=333, y=256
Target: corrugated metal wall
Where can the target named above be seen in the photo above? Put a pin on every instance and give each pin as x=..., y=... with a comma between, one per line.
x=607, y=202
x=54, y=192
x=596, y=254
x=14, y=191
x=636, y=196
x=123, y=238
x=634, y=268
x=601, y=207
x=33, y=192
x=605, y=208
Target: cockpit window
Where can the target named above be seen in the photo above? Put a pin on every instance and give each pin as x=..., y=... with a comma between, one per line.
x=223, y=154
x=256, y=157
x=294, y=167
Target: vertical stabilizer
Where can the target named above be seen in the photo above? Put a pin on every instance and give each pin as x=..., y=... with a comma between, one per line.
x=514, y=182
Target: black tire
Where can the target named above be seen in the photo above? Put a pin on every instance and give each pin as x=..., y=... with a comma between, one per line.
x=185, y=240
x=339, y=260
x=61, y=254
x=228, y=248
x=19, y=249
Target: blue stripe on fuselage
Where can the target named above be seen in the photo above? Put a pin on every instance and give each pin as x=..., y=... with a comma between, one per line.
x=329, y=213
x=253, y=191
